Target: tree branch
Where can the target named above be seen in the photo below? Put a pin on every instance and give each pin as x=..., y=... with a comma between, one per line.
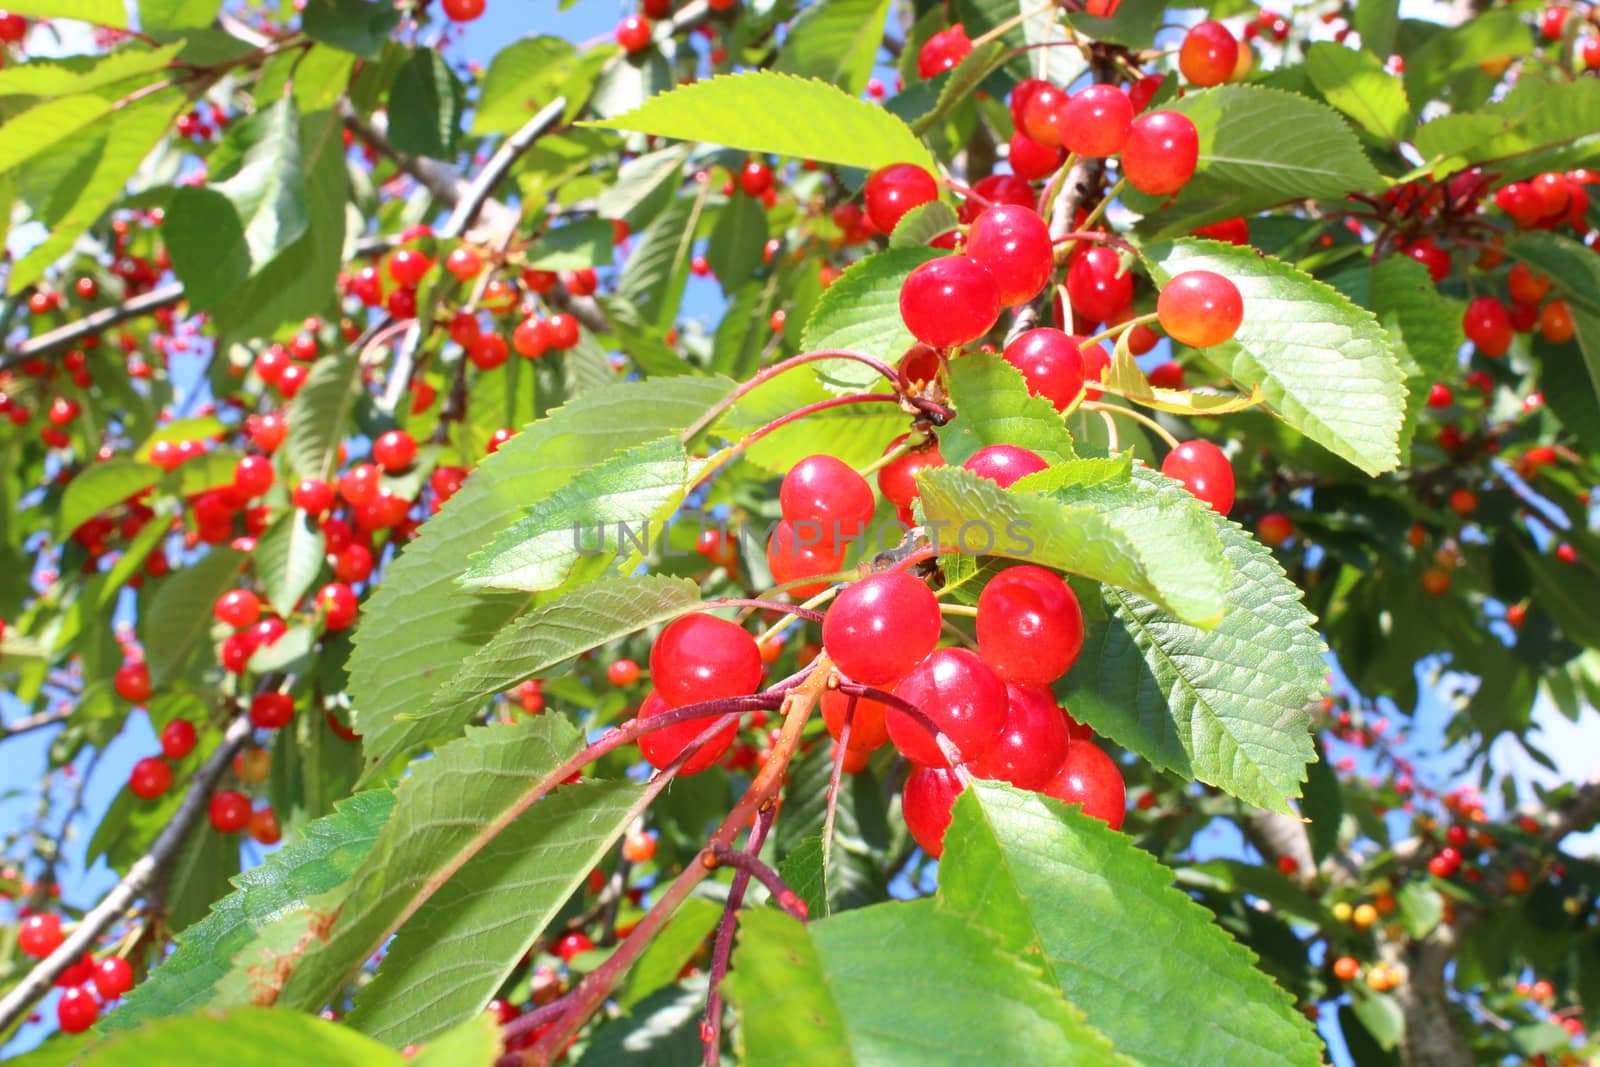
x=34, y=722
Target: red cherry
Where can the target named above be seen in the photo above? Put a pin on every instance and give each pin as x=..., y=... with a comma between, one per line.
x=530, y=338
x=1004, y=464
x=1208, y=55
x=1162, y=151
x=1013, y=244
x=1090, y=777
x=353, y=564
x=1097, y=120
x=1042, y=114
x=360, y=484
x=662, y=747
x=312, y=495
x=623, y=672
x=949, y=301
x=113, y=976
x=1235, y=231
x=132, y=682
x=1487, y=325
x=1274, y=529
x=897, y=480
x=407, y=266
x=756, y=178
x=633, y=34
x=1030, y=627
x=1031, y=160
x=926, y=801
x=562, y=330
x=1200, y=308
x=237, y=607
x=177, y=740
x=943, y=51
x=994, y=190
x=264, y=825
x=1204, y=471
x=1051, y=363
x=271, y=711
x=1525, y=286
x=1098, y=285
x=1440, y=395
x=571, y=945
x=794, y=553
x=868, y=730
x=894, y=190
x=463, y=10
x=1430, y=255
x=881, y=626
x=230, y=811
x=338, y=604
x=40, y=935
x=701, y=657
x=823, y=494
x=489, y=351
x=463, y=263
x=394, y=451
x=1033, y=742
x=77, y=1010
x=13, y=28
x=961, y=695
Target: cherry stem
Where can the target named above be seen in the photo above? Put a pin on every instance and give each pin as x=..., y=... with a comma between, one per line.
x=1105, y=202
x=1137, y=416
x=842, y=748
x=1010, y=24
x=946, y=746
x=718, y=409
x=1099, y=236
x=722, y=952
x=747, y=863
x=1119, y=329
x=912, y=442
x=958, y=609
x=798, y=610
x=821, y=598
x=721, y=458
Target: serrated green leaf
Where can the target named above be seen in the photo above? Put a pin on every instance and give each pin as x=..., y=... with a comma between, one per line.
x=165, y=19
x=180, y=616
x=288, y=557
x=1356, y=83
x=1228, y=706
x=655, y=275
x=835, y=40
x=244, y=1037
x=452, y=956
x=358, y=26
x=1544, y=126
x=1324, y=365
x=594, y=614
x=320, y=414
x=113, y=13
x=857, y=434
x=922, y=224
x=200, y=875
x=894, y=984
x=425, y=106
x=643, y=186
x=1136, y=536
x=1102, y=918
x=860, y=312
x=996, y=408
x=323, y=858
x=80, y=74
x=737, y=242
x=522, y=77
x=31, y=132
x=103, y=485
x=761, y=111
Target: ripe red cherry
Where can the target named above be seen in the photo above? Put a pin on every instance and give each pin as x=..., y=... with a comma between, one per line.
x=997, y=189
x=530, y=338
x=1200, y=308
x=571, y=945
x=897, y=480
x=271, y=711
x=1488, y=326
x=959, y=693
x=1235, y=231
x=1042, y=114
x=1090, y=777
x=230, y=811
x=894, y=190
x=1208, y=55
x=338, y=604
x=464, y=264
x=1162, y=151
x=394, y=451
x=1033, y=742
x=562, y=329
x=800, y=553
x=237, y=607
x=253, y=476
x=1013, y=244
x=868, y=730
x=353, y=564
x=1204, y=471
x=1098, y=285
x=949, y=301
x=622, y=672
x=463, y=10
x=926, y=801
x=943, y=51
x=827, y=496
x=1096, y=121
x=1051, y=363
x=150, y=778
x=13, y=28
x=113, y=976
x=881, y=627
x=633, y=34
x=1274, y=529
x=489, y=351
x=312, y=495
x=407, y=266
x=1031, y=160
x=1004, y=464
x=264, y=826
x=1030, y=627
x=756, y=178
x=132, y=682
x=177, y=739
x=701, y=657
x=40, y=935
x=77, y=1010
x=663, y=746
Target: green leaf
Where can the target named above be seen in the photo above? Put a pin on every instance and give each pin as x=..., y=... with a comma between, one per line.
x=586, y=517
x=895, y=984
x=655, y=275
x=836, y=41
x=860, y=312
x=167, y=19
x=643, y=186
x=853, y=874
x=27, y=134
x=1379, y=1014
x=1544, y=126
x=1132, y=24
x=1356, y=83
x=113, y=13
x=1260, y=147
x=594, y=614
x=1101, y=917
x=447, y=809
x=103, y=485
x=244, y=1037
x=425, y=106
x=522, y=77
x=1228, y=706
x=359, y=26
x=662, y=1030
x=737, y=242
x=1138, y=536
x=671, y=950
x=1325, y=366
x=962, y=82
x=450, y=959
x=1421, y=908
x=922, y=224
x=996, y=408
x=1495, y=34
x=288, y=558
x=586, y=243
x=1569, y=265
x=200, y=875
x=762, y=111
x=1376, y=21
x=475, y=1043
x=1322, y=805
x=180, y=616
x=857, y=434
x=418, y=627
x=80, y=74
x=230, y=230
x=320, y=860
x=320, y=413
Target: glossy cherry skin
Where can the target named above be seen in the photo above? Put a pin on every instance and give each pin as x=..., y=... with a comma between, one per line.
x=463, y=10
x=394, y=451
x=661, y=747
x=868, y=730
x=1030, y=627
x=828, y=493
x=1013, y=243
x=230, y=811
x=1200, y=308
x=1274, y=528
x=1208, y=55
x=794, y=553
x=1004, y=464
x=1235, y=231
x=1096, y=121
x=1051, y=363
x=1488, y=326
x=1031, y=160
x=1098, y=285
x=1204, y=471
x=701, y=657
x=1090, y=777
x=881, y=626
x=949, y=301
x=178, y=739
x=997, y=189
x=151, y=777
x=633, y=34
x=1162, y=151
x=926, y=802
x=132, y=681
x=271, y=711
x=1033, y=742
x=943, y=51
x=338, y=604
x=237, y=607
x=894, y=190
x=1041, y=115
x=40, y=935
x=77, y=1010
x=113, y=976
x=961, y=695
x=897, y=479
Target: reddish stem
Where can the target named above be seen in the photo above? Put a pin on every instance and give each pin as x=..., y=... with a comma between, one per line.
x=722, y=952
x=764, y=376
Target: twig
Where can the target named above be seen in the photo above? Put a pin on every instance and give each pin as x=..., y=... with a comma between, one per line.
x=746, y=863
x=34, y=722
x=63, y=337
x=722, y=951
x=766, y=375
x=481, y=188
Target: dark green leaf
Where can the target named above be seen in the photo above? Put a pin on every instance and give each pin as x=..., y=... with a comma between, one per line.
x=737, y=241
x=425, y=106
x=860, y=312
x=287, y=559
x=359, y=26
x=103, y=485
x=835, y=40
x=180, y=616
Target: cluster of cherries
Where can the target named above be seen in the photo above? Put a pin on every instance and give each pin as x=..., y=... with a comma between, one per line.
x=86, y=984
